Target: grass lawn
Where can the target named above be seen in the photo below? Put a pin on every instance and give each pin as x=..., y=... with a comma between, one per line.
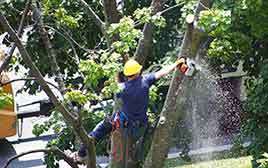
x=241, y=162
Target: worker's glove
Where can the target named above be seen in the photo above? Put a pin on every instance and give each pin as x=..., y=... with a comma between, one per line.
x=180, y=61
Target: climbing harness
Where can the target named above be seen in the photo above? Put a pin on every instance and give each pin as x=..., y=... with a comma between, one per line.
x=121, y=127
x=118, y=122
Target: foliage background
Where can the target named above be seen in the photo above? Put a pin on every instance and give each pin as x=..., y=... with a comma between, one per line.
x=239, y=29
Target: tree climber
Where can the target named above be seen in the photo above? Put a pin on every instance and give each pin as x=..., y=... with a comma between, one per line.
x=135, y=96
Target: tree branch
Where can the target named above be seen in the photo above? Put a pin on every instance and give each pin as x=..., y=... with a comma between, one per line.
x=70, y=118
x=111, y=16
x=171, y=8
x=53, y=150
x=27, y=79
x=145, y=43
x=138, y=24
x=50, y=50
x=94, y=16
x=203, y=5
x=8, y=58
x=68, y=38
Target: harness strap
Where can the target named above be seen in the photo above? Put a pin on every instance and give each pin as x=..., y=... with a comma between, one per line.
x=121, y=120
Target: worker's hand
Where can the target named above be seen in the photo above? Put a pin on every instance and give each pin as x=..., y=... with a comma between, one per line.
x=180, y=61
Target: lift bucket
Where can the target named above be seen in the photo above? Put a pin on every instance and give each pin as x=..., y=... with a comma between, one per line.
x=8, y=116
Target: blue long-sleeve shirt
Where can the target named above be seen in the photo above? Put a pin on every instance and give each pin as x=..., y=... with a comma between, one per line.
x=135, y=97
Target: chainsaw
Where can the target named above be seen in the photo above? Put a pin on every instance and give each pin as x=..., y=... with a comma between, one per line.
x=188, y=66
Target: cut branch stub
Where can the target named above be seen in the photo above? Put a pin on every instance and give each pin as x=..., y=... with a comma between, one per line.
x=190, y=19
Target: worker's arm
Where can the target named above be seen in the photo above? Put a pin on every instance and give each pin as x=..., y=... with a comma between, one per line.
x=166, y=70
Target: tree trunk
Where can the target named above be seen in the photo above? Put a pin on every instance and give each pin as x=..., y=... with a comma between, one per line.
x=145, y=43
x=111, y=16
x=172, y=109
x=122, y=150
x=110, y=12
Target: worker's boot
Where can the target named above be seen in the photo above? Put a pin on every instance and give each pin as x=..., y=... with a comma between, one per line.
x=75, y=156
x=79, y=156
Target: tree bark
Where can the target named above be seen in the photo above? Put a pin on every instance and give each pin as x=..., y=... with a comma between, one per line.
x=172, y=109
x=71, y=119
x=110, y=12
x=145, y=43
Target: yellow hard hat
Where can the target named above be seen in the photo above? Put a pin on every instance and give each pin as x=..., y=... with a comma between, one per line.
x=131, y=67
